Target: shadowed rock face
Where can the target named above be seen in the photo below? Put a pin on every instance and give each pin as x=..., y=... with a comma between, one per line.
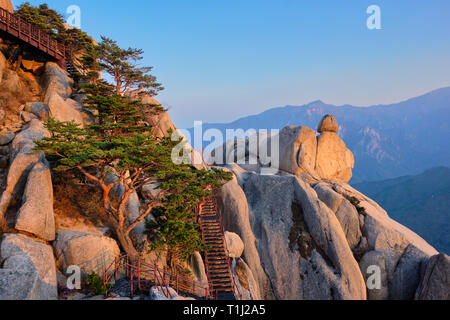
x=29, y=271
x=36, y=214
x=319, y=239
x=435, y=282
x=301, y=247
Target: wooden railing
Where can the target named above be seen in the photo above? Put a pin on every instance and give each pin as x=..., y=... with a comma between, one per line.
x=33, y=35
x=143, y=275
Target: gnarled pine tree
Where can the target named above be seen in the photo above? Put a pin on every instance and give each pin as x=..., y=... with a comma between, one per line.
x=119, y=142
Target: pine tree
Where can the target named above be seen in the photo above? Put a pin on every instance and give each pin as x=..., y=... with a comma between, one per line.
x=119, y=142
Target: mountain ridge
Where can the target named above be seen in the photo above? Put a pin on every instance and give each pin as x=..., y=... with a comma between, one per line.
x=419, y=202
x=382, y=137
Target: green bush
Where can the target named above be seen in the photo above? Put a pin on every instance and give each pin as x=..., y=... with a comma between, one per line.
x=95, y=282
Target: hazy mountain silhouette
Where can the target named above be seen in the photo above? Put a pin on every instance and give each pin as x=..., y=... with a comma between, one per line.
x=388, y=141
x=420, y=202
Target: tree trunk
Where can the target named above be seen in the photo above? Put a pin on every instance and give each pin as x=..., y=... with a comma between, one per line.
x=125, y=242
x=19, y=62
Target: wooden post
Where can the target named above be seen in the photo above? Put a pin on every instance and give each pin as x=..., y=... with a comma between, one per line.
x=127, y=267
x=131, y=283
x=154, y=274
x=139, y=274
x=115, y=268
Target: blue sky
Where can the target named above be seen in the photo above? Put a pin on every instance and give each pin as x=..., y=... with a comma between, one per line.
x=220, y=60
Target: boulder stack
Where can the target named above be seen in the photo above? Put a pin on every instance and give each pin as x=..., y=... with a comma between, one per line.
x=328, y=124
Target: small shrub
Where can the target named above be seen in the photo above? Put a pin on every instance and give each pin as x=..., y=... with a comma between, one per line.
x=355, y=202
x=96, y=283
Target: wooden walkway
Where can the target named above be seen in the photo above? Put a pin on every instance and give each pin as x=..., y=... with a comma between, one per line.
x=217, y=262
x=142, y=276
x=29, y=33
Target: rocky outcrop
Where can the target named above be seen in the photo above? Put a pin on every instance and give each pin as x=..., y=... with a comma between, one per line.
x=161, y=123
x=247, y=287
x=39, y=109
x=404, y=251
x=234, y=245
x=380, y=290
x=302, y=247
x=157, y=293
x=58, y=89
x=36, y=214
x=56, y=81
x=6, y=137
x=301, y=152
x=232, y=202
x=29, y=271
x=298, y=149
x=435, y=281
x=90, y=252
x=318, y=238
x=22, y=161
x=334, y=160
x=345, y=212
x=197, y=266
x=328, y=124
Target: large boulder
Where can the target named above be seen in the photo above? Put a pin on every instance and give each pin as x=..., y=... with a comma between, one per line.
x=197, y=266
x=56, y=81
x=330, y=239
x=39, y=109
x=24, y=141
x=298, y=149
x=64, y=110
x=344, y=210
x=22, y=161
x=334, y=160
x=234, y=244
x=6, y=137
x=36, y=214
x=91, y=252
x=247, y=287
x=394, y=240
x=435, y=281
x=328, y=124
x=370, y=260
x=407, y=274
x=300, y=242
x=29, y=271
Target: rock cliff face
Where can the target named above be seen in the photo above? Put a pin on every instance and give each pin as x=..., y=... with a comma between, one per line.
x=302, y=233
x=307, y=234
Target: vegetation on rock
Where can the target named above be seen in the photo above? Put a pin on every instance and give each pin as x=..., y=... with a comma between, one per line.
x=119, y=143
x=52, y=22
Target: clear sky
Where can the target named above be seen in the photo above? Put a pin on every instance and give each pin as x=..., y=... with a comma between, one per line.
x=223, y=59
